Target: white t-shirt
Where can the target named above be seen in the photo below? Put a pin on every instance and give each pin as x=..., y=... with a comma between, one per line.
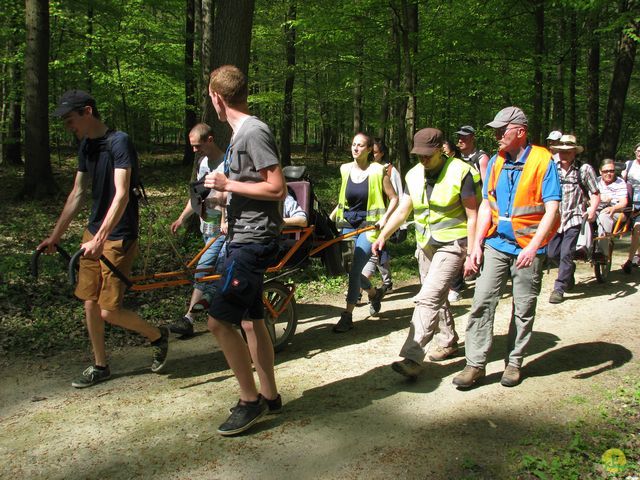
x=213, y=214
x=633, y=177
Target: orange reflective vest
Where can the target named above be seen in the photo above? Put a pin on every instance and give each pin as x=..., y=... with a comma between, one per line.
x=528, y=207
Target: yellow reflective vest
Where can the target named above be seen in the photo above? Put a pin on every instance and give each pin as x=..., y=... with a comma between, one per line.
x=375, y=198
x=442, y=217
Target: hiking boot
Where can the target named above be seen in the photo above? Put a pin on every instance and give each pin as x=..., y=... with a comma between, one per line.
x=274, y=406
x=375, y=301
x=182, y=326
x=201, y=305
x=468, y=377
x=160, y=349
x=91, y=376
x=557, y=296
x=442, y=353
x=387, y=287
x=406, y=367
x=243, y=416
x=344, y=324
x=627, y=266
x=510, y=377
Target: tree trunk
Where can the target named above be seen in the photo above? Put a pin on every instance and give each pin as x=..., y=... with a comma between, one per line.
x=89, y=54
x=573, y=73
x=231, y=45
x=189, y=84
x=357, y=87
x=410, y=46
x=593, y=87
x=208, y=15
x=400, y=113
x=535, y=126
x=12, y=141
x=625, y=58
x=38, y=176
x=287, y=108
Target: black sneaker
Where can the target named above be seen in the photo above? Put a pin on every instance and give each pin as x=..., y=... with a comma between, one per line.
x=375, y=302
x=275, y=405
x=243, y=416
x=91, y=376
x=160, y=350
x=387, y=287
x=627, y=266
x=344, y=324
x=183, y=326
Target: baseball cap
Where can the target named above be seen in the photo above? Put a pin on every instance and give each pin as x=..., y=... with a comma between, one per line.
x=427, y=141
x=466, y=130
x=555, y=135
x=508, y=115
x=72, y=100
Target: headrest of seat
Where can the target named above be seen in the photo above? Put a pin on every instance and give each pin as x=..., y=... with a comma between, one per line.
x=294, y=172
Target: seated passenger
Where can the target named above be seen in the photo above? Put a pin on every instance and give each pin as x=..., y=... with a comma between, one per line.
x=613, y=200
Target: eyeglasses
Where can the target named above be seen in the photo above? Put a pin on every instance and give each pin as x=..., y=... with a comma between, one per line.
x=502, y=131
x=607, y=171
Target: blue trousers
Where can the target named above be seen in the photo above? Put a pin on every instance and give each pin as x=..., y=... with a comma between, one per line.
x=361, y=255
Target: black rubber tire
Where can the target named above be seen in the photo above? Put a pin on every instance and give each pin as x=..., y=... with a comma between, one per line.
x=602, y=269
x=283, y=328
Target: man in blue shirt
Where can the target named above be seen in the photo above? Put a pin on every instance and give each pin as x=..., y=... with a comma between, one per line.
x=518, y=215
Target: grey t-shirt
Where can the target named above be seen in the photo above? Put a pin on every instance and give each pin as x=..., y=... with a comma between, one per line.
x=253, y=148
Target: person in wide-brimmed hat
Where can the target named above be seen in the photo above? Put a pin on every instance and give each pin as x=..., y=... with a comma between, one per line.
x=580, y=198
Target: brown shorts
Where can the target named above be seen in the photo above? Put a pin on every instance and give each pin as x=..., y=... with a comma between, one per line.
x=95, y=280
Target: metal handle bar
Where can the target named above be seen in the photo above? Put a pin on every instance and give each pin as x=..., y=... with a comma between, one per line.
x=35, y=257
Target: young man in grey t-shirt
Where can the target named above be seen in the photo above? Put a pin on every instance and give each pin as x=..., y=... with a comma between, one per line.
x=256, y=187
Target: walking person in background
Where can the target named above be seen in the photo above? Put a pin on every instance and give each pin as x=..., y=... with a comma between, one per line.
x=469, y=150
x=580, y=199
x=361, y=203
x=631, y=175
x=212, y=226
x=382, y=261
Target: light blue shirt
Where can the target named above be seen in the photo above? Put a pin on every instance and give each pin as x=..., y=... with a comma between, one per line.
x=504, y=239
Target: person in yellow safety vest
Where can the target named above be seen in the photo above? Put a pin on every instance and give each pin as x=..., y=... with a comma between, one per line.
x=360, y=204
x=443, y=193
x=517, y=217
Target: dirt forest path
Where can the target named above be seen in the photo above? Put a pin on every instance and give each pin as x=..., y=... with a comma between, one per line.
x=347, y=414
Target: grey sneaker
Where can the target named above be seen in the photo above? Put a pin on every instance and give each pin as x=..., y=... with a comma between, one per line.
x=91, y=376
x=243, y=416
x=344, y=324
x=442, y=353
x=160, y=349
x=375, y=301
x=406, y=367
x=510, y=377
x=183, y=326
x=468, y=377
x=557, y=296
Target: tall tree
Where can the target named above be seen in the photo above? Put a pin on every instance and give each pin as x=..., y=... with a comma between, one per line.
x=624, y=59
x=189, y=81
x=593, y=86
x=208, y=16
x=287, y=107
x=232, y=45
x=38, y=175
x=535, y=125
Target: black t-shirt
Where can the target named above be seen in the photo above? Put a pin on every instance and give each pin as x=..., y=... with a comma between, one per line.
x=99, y=157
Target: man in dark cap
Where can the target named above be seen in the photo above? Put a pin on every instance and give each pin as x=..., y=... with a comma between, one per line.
x=443, y=193
x=108, y=164
x=517, y=217
x=469, y=150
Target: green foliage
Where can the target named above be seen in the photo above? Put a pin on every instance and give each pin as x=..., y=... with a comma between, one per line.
x=579, y=455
